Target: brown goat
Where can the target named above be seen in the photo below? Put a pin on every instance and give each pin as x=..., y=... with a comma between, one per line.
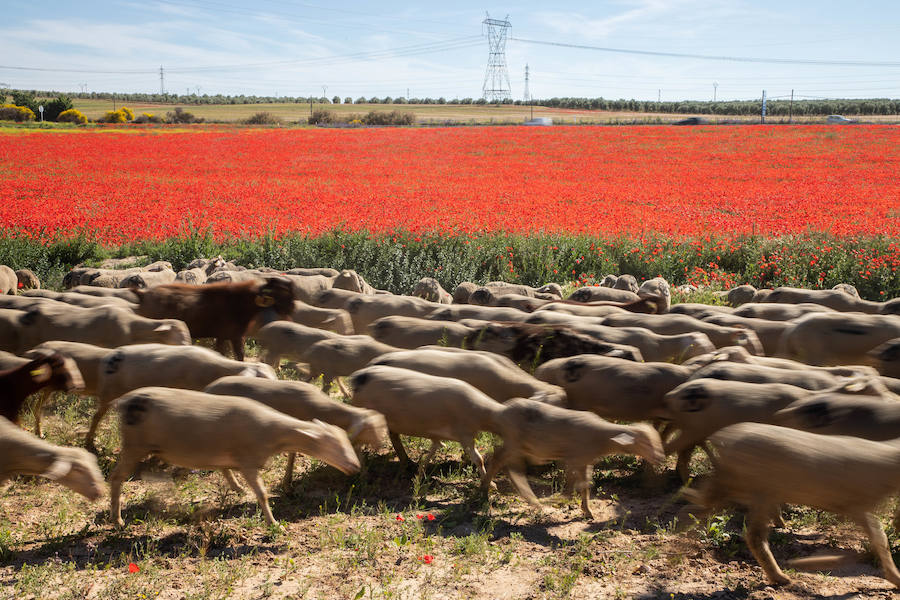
x=51, y=369
x=223, y=311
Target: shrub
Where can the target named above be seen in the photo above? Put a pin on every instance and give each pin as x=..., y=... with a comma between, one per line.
x=264, y=118
x=129, y=114
x=182, y=116
x=322, y=117
x=115, y=116
x=389, y=118
x=11, y=112
x=148, y=118
x=56, y=107
x=72, y=115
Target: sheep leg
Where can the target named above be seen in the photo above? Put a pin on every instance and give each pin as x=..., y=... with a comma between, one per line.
x=237, y=345
x=496, y=462
x=289, y=470
x=37, y=409
x=326, y=382
x=429, y=456
x=474, y=456
x=128, y=462
x=272, y=359
x=683, y=466
x=398, y=448
x=872, y=526
x=582, y=478
x=517, y=476
x=232, y=482
x=343, y=388
x=251, y=476
x=758, y=520
x=102, y=408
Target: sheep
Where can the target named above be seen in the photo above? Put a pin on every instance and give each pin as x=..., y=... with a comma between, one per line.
x=198, y=430
x=236, y=276
x=778, y=311
x=807, y=379
x=626, y=282
x=330, y=298
x=46, y=370
x=219, y=310
x=305, y=272
x=700, y=407
x=352, y=281
x=653, y=346
x=87, y=358
x=8, y=360
x=457, y=312
x=835, y=299
x=675, y=324
x=613, y=388
x=306, y=402
x=183, y=367
x=409, y=332
x=10, y=331
x=21, y=302
x=417, y=404
x=9, y=283
x=107, y=326
x=762, y=467
x=530, y=344
x=108, y=278
x=148, y=279
x=27, y=279
x=196, y=276
x=838, y=338
x=24, y=454
x=291, y=340
x=657, y=288
x=847, y=289
x=104, y=292
x=768, y=332
x=699, y=311
x=886, y=357
x=550, y=291
x=579, y=309
x=609, y=280
x=81, y=300
x=364, y=310
x=342, y=356
x=741, y=294
x=332, y=319
x=523, y=303
x=496, y=376
x=740, y=355
x=867, y=417
x=605, y=294
x=309, y=286
x=430, y=289
x=489, y=296
x=539, y=432
x=463, y=292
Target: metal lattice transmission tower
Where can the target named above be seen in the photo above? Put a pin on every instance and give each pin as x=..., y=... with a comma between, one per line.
x=496, y=86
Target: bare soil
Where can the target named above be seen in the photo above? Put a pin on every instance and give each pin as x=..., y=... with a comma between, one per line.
x=391, y=533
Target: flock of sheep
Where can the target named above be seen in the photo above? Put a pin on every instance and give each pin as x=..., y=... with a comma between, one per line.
x=757, y=385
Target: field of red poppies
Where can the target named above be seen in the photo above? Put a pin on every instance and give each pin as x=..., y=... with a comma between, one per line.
x=600, y=181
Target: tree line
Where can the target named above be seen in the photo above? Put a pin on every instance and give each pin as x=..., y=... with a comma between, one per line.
x=780, y=107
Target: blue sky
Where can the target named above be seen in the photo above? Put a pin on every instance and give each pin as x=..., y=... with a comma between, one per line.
x=354, y=48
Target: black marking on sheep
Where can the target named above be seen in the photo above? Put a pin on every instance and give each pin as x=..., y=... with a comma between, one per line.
x=113, y=363
x=29, y=318
x=573, y=370
x=135, y=410
x=816, y=414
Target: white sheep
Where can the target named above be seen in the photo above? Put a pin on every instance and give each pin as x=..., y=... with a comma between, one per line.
x=291, y=340
x=761, y=467
x=197, y=430
x=24, y=454
x=306, y=402
x=536, y=432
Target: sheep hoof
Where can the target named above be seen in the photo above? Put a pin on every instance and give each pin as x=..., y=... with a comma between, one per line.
x=119, y=523
x=779, y=580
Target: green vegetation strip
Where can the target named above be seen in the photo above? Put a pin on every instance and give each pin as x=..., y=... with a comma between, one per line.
x=396, y=261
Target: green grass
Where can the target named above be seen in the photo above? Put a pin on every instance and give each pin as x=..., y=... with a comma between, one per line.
x=394, y=262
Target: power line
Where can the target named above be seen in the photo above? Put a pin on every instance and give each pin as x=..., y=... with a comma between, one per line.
x=745, y=59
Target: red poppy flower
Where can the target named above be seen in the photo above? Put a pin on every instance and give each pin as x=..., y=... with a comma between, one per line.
x=133, y=568
x=427, y=559
x=430, y=517
x=399, y=518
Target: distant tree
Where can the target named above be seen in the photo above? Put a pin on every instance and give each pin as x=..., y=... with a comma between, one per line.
x=348, y=100
x=55, y=107
x=336, y=100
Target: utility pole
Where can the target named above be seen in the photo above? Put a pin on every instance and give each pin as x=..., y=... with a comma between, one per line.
x=659, y=96
x=496, y=86
x=791, y=114
x=528, y=92
x=325, y=91
x=763, y=117
x=715, y=90
x=162, y=81
x=407, y=95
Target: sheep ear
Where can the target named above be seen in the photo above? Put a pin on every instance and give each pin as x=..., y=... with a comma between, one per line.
x=162, y=328
x=624, y=439
x=41, y=374
x=59, y=469
x=855, y=385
